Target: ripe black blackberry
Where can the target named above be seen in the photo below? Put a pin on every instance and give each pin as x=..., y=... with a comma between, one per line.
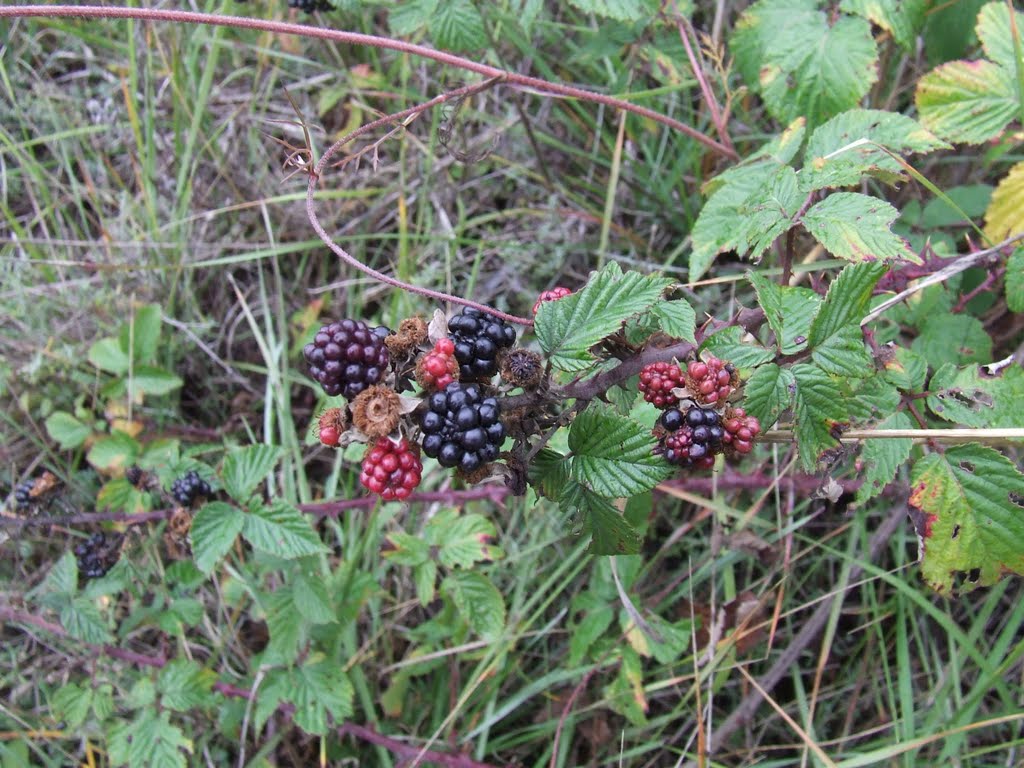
x=478, y=337
x=691, y=438
x=95, y=557
x=23, y=494
x=347, y=357
x=133, y=475
x=310, y=6
x=189, y=487
x=462, y=428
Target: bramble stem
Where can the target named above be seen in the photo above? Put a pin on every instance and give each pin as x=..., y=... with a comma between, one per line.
x=948, y=436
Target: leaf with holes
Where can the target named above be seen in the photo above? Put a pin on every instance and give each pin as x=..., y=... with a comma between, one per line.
x=968, y=508
x=965, y=396
x=819, y=410
x=856, y=227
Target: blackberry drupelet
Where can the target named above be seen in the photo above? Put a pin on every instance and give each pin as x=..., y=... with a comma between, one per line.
x=462, y=428
x=478, y=338
x=347, y=357
x=189, y=487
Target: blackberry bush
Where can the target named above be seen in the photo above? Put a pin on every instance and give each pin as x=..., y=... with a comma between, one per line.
x=347, y=357
x=462, y=428
x=478, y=338
x=190, y=487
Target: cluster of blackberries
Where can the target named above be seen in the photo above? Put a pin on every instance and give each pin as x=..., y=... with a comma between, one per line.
x=310, y=6
x=461, y=427
x=94, y=557
x=347, y=357
x=657, y=382
x=692, y=438
x=478, y=338
x=23, y=494
x=189, y=487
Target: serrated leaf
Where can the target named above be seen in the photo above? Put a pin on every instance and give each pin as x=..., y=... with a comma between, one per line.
x=836, y=156
x=121, y=496
x=83, y=621
x=569, y=327
x=213, y=532
x=836, y=340
x=598, y=616
x=150, y=380
x=903, y=19
x=1014, y=281
x=971, y=517
x=967, y=101
x=320, y=687
x=456, y=25
x=462, y=540
x=953, y=339
x=184, y=685
x=856, y=227
x=610, y=533
x=729, y=344
x=995, y=33
x=880, y=459
x=1005, y=215
x=788, y=310
x=612, y=454
x=804, y=63
x=548, y=472
x=62, y=578
x=768, y=392
x=118, y=451
x=478, y=601
x=281, y=530
x=676, y=318
x=245, y=468
x=818, y=409
x=286, y=626
x=156, y=743
x=71, y=705
x=143, y=331
x=906, y=370
x=107, y=355
x=406, y=18
x=66, y=430
x=312, y=599
x=406, y=549
x=870, y=400
x=620, y=10
x=964, y=396
x=424, y=576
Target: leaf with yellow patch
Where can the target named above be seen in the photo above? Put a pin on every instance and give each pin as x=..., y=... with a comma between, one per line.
x=1005, y=215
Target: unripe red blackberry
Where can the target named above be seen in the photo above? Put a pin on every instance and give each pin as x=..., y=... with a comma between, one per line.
x=331, y=424
x=478, y=338
x=711, y=380
x=438, y=368
x=740, y=430
x=556, y=293
x=391, y=470
x=347, y=357
x=657, y=380
x=462, y=428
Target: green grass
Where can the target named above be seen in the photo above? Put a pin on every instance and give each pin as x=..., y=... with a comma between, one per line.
x=138, y=166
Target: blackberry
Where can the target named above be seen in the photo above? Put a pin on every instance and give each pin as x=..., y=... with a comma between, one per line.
x=189, y=487
x=23, y=494
x=347, y=357
x=657, y=380
x=133, y=475
x=556, y=293
x=96, y=556
x=712, y=380
x=478, y=338
x=438, y=368
x=310, y=6
x=691, y=439
x=462, y=428
x=740, y=430
x=391, y=470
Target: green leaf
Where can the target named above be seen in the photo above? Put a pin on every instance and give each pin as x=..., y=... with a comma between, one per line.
x=818, y=408
x=66, y=430
x=549, y=473
x=406, y=549
x=856, y=227
x=144, y=332
x=728, y=344
x=281, y=530
x=836, y=339
x=995, y=32
x=620, y=10
x=118, y=451
x=156, y=743
x=837, y=157
x=953, y=339
x=964, y=396
x=150, y=380
x=903, y=19
x=62, y=578
x=213, y=532
x=610, y=533
x=970, y=516
x=107, y=355
x=1004, y=217
x=320, y=687
x=286, y=626
x=456, y=25
x=906, y=370
x=478, y=601
x=569, y=327
x=676, y=318
x=312, y=599
x=881, y=459
x=967, y=101
x=71, y=705
x=406, y=18
x=82, y=619
x=768, y=392
x=1015, y=281
x=598, y=615
x=789, y=311
x=245, y=468
x=185, y=686
x=121, y=496
x=804, y=63
x=424, y=576
x=869, y=400
x=612, y=454
x=462, y=540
